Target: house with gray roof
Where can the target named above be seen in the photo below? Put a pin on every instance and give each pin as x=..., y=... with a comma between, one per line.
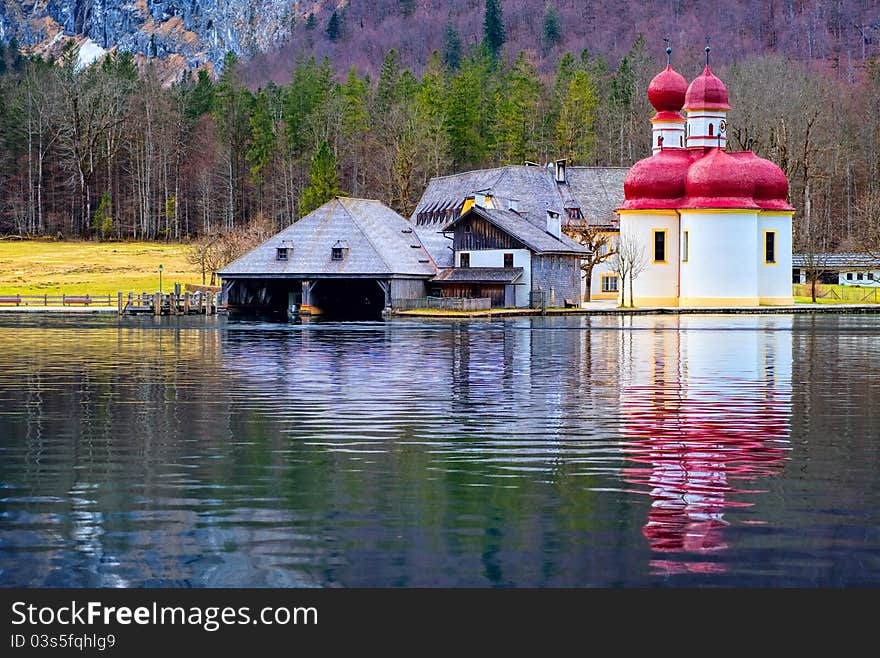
x=579, y=196
x=350, y=257
x=845, y=269
x=510, y=257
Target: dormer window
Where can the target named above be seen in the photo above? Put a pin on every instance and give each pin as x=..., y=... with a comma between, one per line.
x=338, y=250
x=281, y=253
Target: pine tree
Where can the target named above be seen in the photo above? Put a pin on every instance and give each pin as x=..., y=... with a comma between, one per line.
x=323, y=181
x=517, y=113
x=407, y=7
x=552, y=34
x=334, y=27
x=311, y=22
x=493, y=28
x=574, y=129
x=389, y=78
x=201, y=97
x=262, y=149
x=432, y=114
x=451, y=47
x=102, y=222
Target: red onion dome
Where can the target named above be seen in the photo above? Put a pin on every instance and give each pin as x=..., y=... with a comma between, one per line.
x=667, y=90
x=657, y=182
x=718, y=180
x=706, y=92
x=771, y=185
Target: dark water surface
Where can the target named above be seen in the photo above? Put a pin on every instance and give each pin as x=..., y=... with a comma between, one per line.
x=576, y=451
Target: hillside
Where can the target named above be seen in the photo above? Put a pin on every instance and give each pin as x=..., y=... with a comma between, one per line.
x=273, y=33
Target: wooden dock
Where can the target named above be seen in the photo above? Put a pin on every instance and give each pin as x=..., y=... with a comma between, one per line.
x=175, y=303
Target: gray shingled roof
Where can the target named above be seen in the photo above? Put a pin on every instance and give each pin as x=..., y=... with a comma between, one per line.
x=837, y=261
x=479, y=275
x=378, y=240
x=532, y=186
x=597, y=191
x=534, y=236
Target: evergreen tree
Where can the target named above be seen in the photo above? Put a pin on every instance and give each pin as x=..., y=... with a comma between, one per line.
x=389, y=78
x=311, y=22
x=517, y=113
x=407, y=7
x=102, y=222
x=552, y=33
x=262, y=149
x=323, y=181
x=432, y=114
x=201, y=97
x=471, y=110
x=493, y=28
x=451, y=47
x=574, y=128
x=334, y=27
x=306, y=92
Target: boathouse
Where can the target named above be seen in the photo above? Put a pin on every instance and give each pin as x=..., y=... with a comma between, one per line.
x=349, y=258
x=511, y=258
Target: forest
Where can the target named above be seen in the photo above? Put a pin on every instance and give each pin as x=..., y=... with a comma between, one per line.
x=109, y=152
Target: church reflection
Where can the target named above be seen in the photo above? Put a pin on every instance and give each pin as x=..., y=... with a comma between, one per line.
x=704, y=421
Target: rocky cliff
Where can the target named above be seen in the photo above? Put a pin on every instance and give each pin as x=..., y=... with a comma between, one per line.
x=192, y=33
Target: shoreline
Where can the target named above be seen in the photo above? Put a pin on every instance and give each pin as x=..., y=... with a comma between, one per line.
x=868, y=309
x=839, y=309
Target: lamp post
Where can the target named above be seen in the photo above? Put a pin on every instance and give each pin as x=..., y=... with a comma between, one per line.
x=160, y=277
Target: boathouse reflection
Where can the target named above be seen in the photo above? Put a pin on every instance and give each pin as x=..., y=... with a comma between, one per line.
x=703, y=421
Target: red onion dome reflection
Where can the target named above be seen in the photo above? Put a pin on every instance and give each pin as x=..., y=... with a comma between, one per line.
x=694, y=450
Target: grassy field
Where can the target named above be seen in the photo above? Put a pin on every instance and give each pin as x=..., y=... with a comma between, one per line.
x=36, y=267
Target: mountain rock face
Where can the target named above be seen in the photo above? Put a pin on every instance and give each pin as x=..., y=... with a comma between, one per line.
x=193, y=32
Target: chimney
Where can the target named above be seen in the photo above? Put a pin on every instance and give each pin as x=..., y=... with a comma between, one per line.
x=513, y=204
x=560, y=171
x=554, y=225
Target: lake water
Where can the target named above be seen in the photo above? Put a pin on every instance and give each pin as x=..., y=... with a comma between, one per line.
x=562, y=451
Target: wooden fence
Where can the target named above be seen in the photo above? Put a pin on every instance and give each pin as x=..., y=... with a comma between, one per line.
x=443, y=304
x=842, y=294
x=58, y=300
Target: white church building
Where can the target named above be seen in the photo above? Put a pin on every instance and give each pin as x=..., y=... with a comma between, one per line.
x=716, y=227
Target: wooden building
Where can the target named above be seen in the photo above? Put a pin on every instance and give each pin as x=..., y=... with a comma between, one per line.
x=349, y=258
x=508, y=257
x=580, y=196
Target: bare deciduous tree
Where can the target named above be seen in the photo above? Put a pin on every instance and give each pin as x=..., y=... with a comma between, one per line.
x=597, y=240
x=629, y=260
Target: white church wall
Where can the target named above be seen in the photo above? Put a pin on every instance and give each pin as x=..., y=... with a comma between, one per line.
x=721, y=269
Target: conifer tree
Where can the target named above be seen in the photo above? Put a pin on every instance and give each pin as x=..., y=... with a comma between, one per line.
x=552, y=33
x=323, y=181
x=451, y=47
x=493, y=28
x=334, y=27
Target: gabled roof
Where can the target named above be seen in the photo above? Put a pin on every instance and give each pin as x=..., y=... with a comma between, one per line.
x=532, y=186
x=854, y=261
x=533, y=236
x=378, y=241
x=596, y=191
x=479, y=275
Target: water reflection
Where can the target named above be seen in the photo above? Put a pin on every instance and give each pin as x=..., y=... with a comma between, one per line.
x=704, y=417
x=529, y=452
